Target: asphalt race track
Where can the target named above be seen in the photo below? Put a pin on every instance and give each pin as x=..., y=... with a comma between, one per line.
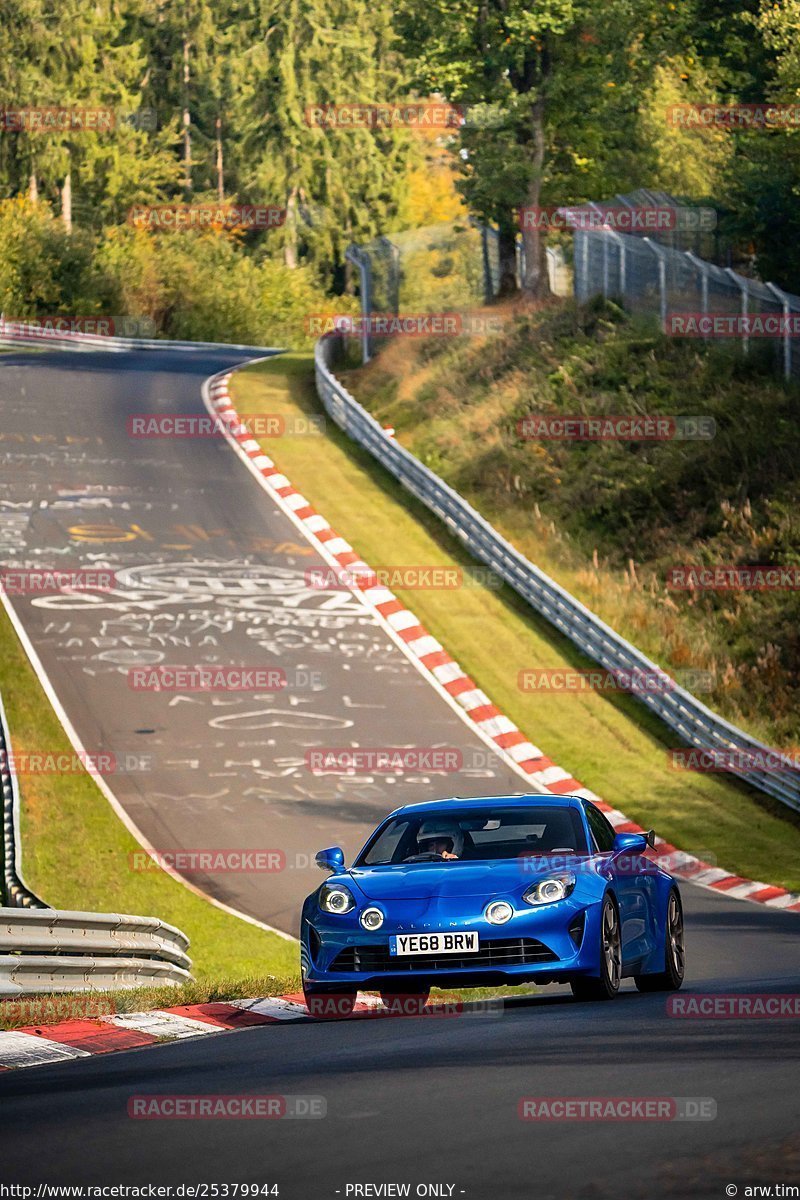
x=208, y=571
x=424, y=1100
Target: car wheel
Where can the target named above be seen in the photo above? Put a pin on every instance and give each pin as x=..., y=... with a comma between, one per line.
x=586, y=987
x=671, y=978
x=406, y=1004
x=329, y=1002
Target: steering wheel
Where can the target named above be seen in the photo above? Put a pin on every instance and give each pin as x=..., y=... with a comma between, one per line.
x=428, y=856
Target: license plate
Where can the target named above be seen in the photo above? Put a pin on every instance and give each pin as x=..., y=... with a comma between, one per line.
x=434, y=943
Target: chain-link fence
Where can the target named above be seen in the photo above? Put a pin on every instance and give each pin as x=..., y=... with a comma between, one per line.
x=436, y=269
x=689, y=296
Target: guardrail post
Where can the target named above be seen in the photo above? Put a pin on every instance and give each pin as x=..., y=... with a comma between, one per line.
x=619, y=242
x=741, y=283
x=702, y=267
x=785, y=301
x=662, y=280
x=580, y=282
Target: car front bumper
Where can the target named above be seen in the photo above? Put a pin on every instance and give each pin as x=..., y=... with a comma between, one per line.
x=548, y=944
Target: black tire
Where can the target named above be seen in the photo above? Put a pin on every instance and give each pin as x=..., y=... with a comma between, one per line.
x=671, y=978
x=329, y=1003
x=406, y=1004
x=607, y=985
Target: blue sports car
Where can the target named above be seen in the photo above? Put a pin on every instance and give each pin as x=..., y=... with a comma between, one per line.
x=496, y=890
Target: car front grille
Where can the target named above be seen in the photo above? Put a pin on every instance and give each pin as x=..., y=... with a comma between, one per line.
x=498, y=952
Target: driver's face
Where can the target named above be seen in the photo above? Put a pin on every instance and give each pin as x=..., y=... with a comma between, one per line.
x=441, y=845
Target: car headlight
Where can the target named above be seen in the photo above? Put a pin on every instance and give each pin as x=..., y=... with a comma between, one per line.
x=498, y=912
x=371, y=918
x=336, y=899
x=547, y=891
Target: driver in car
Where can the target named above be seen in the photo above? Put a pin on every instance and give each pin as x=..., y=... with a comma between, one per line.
x=442, y=839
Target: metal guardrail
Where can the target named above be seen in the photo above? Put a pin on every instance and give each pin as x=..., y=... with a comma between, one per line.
x=17, y=333
x=692, y=721
x=48, y=950
x=47, y=931
x=42, y=975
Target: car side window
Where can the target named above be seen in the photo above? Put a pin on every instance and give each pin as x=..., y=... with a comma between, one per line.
x=602, y=831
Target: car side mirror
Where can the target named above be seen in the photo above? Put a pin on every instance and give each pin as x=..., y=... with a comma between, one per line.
x=331, y=859
x=631, y=843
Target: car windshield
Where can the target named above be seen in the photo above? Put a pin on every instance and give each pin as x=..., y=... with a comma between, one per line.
x=475, y=835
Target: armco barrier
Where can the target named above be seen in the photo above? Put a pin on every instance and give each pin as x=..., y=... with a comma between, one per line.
x=47, y=950
x=54, y=931
x=22, y=334
x=692, y=721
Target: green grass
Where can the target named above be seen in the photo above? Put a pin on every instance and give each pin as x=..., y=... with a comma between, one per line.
x=53, y=1009
x=611, y=744
x=76, y=850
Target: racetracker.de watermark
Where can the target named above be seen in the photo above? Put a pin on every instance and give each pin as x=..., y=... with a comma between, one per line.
x=618, y=218
x=335, y=1004
x=412, y=114
x=210, y=861
x=206, y=216
x=737, y=759
x=205, y=678
x=383, y=760
x=31, y=582
x=755, y=116
x=422, y=325
x=74, y=762
x=617, y=1108
x=59, y=119
x=729, y=578
x=732, y=1006
x=733, y=325
x=55, y=119
x=52, y=1009
x=625, y=863
x=632, y=427
x=255, y=425
x=89, y=325
x=216, y=1107
x=597, y=679
x=413, y=577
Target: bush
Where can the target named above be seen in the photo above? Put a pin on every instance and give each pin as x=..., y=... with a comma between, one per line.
x=42, y=268
x=197, y=286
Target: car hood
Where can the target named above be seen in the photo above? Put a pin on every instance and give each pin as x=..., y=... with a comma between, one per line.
x=417, y=881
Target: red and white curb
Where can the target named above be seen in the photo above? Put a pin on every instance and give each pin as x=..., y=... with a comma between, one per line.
x=38, y=1045
x=433, y=661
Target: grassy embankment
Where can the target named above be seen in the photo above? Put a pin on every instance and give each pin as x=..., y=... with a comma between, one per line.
x=610, y=519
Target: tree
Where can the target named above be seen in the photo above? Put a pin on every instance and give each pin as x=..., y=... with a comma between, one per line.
x=337, y=185
x=764, y=179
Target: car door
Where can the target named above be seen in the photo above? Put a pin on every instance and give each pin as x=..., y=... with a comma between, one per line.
x=629, y=886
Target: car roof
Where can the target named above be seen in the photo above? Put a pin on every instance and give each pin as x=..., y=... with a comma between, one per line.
x=453, y=803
